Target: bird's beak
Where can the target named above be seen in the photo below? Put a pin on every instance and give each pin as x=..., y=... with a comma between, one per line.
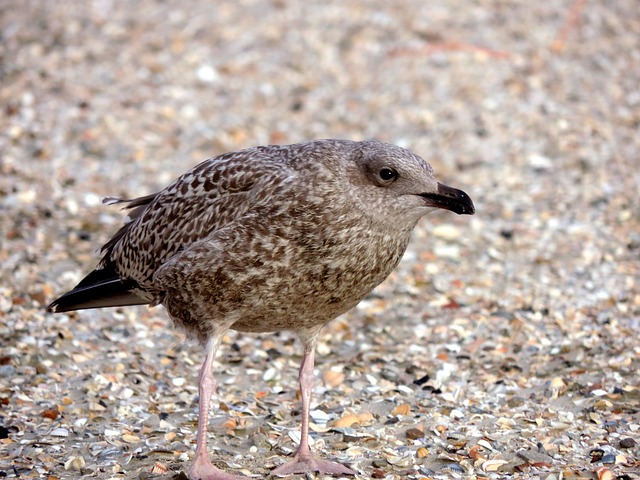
x=450, y=198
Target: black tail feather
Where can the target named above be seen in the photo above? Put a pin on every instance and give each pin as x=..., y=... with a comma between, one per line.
x=101, y=288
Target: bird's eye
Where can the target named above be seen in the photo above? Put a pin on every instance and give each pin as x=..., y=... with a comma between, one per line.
x=387, y=174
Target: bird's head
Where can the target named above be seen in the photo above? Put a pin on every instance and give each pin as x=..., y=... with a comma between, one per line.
x=392, y=181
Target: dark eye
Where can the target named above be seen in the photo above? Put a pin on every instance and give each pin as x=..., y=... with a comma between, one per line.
x=387, y=174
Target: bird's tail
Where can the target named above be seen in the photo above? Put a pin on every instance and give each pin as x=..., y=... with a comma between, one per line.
x=101, y=288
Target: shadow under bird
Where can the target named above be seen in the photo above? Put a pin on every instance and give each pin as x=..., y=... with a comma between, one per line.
x=266, y=239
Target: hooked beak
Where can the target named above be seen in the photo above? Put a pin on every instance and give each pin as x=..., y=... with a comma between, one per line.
x=450, y=198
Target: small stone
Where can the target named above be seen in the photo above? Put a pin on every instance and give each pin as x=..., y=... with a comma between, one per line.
x=271, y=375
x=207, y=74
x=178, y=382
x=7, y=371
x=50, y=413
x=446, y=231
x=414, y=433
x=390, y=375
x=627, y=442
x=608, y=458
x=422, y=380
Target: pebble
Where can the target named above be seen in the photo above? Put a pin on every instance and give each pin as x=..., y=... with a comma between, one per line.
x=627, y=442
x=7, y=371
x=179, y=381
x=414, y=433
x=446, y=231
x=450, y=251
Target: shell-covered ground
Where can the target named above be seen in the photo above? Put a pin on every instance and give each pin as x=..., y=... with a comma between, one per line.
x=505, y=345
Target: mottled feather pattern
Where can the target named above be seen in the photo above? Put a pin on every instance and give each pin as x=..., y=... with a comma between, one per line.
x=206, y=198
x=271, y=237
x=265, y=239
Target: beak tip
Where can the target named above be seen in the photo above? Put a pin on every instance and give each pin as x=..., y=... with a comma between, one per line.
x=455, y=200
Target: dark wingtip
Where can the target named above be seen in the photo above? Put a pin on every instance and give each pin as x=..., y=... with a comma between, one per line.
x=101, y=288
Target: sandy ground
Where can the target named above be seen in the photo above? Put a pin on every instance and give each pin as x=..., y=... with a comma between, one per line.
x=505, y=345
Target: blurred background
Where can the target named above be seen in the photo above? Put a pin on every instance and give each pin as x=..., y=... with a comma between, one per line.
x=505, y=343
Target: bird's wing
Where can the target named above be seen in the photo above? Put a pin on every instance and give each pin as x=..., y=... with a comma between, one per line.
x=212, y=195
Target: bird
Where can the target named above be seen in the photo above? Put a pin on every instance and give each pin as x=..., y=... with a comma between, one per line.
x=269, y=238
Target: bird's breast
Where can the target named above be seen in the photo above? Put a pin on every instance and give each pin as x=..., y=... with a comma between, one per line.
x=312, y=282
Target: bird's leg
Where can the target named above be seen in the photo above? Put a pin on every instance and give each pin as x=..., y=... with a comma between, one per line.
x=202, y=469
x=303, y=461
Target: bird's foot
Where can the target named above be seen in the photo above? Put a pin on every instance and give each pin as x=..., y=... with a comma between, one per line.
x=308, y=464
x=202, y=469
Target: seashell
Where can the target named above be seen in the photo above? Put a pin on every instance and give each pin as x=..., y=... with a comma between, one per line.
x=453, y=468
x=402, y=409
x=159, y=468
x=604, y=473
x=130, y=438
x=230, y=424
x=81, y=422
x=365, y=418
x=74, y=463
x=346, y=420
x=493, y=465
x=318, y=416
x=333, y=379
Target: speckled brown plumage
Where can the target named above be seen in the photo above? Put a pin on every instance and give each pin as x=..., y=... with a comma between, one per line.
x=265, y=239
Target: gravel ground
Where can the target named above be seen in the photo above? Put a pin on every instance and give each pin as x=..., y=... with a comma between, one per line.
x=505, y=345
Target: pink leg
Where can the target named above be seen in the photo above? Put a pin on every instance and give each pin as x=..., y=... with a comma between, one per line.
x=202, y=469
x=303, y=461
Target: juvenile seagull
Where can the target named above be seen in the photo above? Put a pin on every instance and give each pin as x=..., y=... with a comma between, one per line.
x=266, y=239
